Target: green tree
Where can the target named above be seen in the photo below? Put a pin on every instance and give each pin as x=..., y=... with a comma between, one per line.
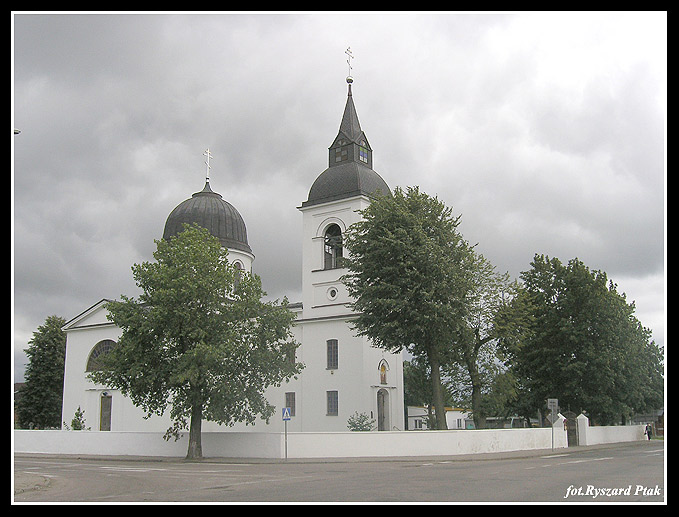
x=587, y=348
x=199, y=339
x=516, y=325
x=404, y=265
x=78, y=422
x=486, y=320
x=501, y=396
x=41, y=398
x=417, y=388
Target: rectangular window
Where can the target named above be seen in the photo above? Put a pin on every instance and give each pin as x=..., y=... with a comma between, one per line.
x=290, y=402
x=333, y=357
x=363, y=154
x=290, y=355
x=332, y=403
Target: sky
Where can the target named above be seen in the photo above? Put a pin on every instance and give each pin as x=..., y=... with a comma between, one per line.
x=545, y=131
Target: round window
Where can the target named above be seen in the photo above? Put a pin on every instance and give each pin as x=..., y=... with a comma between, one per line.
x=332, y=293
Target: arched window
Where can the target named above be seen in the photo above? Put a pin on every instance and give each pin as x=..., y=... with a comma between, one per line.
x=333, y=247
x=100, y=349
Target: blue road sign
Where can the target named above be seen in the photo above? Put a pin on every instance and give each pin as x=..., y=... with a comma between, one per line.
x=286, y=413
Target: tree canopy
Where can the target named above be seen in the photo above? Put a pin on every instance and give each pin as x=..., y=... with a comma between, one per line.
x=404, y=276
x=586, y=347
x=41, y=398
x=199, y=339
x=486, y=320
x=562, y=332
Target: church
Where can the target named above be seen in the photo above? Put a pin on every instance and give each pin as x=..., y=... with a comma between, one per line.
x=343, y=373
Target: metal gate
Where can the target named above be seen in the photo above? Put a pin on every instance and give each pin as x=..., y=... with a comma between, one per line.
x=571, y=428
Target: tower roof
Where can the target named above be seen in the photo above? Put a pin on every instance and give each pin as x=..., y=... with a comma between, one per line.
x=344, y=181
x=349, y=171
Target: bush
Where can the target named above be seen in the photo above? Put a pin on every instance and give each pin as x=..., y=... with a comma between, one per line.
x=78, y=422
x=361, y=422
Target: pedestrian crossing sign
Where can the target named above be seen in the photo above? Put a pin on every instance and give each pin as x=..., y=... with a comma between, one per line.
x=286, y=413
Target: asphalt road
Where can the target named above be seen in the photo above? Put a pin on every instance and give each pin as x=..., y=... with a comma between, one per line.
x=611, y=473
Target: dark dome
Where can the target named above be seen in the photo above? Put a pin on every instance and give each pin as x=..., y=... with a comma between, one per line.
x=344, y=181
x=207, y=209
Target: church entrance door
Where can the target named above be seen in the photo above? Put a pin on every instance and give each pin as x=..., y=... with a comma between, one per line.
x=382, y=410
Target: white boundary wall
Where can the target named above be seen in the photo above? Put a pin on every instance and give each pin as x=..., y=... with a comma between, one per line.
x=299, y=445
x=233, y=444
x=607, y=434
x=421, y=443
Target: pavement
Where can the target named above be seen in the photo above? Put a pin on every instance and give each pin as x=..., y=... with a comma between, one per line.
x=24, y=482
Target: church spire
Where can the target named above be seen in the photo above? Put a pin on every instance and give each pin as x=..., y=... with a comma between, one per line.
x=350, y=125
x=350, y=144
x=350, y=162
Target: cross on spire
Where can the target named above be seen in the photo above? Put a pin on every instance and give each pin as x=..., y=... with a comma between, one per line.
x=351, y=56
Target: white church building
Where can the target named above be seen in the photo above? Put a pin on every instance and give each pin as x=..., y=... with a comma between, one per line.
x=343, y=373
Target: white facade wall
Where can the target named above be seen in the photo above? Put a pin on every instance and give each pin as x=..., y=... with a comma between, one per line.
x=326, y=316
x=317, y=281
x=243, y=258
x=89, y=329
x=357, y=378
x=357, y=381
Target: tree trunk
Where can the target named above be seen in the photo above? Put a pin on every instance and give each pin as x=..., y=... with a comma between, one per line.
x=195, y=445
x=473, y=369
x=437, y=391
x=479, y=419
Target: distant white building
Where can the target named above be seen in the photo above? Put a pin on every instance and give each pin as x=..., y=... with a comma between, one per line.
x=456, y=418
x=343, y=373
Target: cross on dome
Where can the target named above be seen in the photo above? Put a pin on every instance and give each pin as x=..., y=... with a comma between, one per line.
x=207, y=163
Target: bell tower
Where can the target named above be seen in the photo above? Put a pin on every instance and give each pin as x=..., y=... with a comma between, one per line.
x=335, y=198
x=344, y=373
